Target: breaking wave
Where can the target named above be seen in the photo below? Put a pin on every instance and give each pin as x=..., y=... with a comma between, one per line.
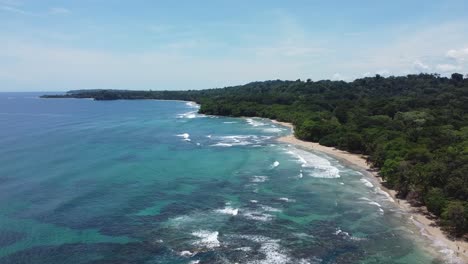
x=314, y=165
x=238, y=140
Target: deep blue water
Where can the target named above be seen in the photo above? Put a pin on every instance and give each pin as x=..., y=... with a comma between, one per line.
x=85, y=181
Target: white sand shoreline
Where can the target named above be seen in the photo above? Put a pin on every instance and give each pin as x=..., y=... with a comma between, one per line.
x=459, y=248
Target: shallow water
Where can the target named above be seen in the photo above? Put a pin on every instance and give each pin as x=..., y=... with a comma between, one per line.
x=87, y=181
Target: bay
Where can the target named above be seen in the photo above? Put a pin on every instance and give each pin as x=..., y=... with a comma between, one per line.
x=148, y=181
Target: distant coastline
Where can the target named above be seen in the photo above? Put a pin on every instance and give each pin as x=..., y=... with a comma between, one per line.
x=419, y=215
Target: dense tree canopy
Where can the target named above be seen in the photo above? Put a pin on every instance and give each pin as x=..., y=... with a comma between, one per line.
x=413, y=128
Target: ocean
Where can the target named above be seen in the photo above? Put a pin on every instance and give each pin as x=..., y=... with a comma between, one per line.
x=149, y=181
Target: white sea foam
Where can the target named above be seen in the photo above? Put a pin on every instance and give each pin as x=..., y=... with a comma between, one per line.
x=253, y=201
x=185, y=136
x=275, y=164
x=245, y=249
x=189, y=115
x=228, y=210
x=259, y=178
x=314, y=165
x=272, y=130
x=375, y=203
x=254, y=123
x=369, y=201
x=272, y=250
x=367, y=183
x=256, y=215
x=186, y=253
x=207, y=239
x=222, y=145
x=346, y=235
x=270, y=209
x=229, y=122
x=238, y=140
x=194, y=261
x=285, y=199
x=449, y=254
x=193, y=113
x=192, y=104
x=387, y=195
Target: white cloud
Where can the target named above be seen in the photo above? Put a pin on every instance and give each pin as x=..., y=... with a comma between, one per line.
x=459, y=55
x=427, y=45
x=420, y=66
x=337, y=77
x=12, y=9
x=447, y=68
x=383, y=72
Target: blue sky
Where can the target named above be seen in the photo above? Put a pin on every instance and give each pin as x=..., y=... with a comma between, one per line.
x=62, y=45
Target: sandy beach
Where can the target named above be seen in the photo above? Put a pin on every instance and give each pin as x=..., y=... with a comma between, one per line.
x=457, y=250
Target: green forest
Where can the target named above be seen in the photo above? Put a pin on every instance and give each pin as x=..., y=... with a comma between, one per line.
x=413, y=128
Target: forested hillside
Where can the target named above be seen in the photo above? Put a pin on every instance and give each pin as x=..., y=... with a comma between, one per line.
x=413, y=128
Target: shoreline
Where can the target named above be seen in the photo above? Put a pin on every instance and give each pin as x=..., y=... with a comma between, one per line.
x=427, y=226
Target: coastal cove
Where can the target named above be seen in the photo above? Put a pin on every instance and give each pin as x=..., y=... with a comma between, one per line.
x=156, y=182
x=420, y=216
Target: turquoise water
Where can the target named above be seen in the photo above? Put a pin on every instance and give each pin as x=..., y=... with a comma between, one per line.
x=87, y=181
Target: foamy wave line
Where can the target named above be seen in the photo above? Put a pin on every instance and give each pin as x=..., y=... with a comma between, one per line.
x=382, y=192
x=272, y=129
x=185, y=136
x=346, y=235
x=187, y=253
x=254, y=123
x=369, y=201
x=238, y=140
x=192, y=104
x=208, y=239
x=270, y=209
x=272, y=251
x=318, y=167
x=220, y=144
x=258, y=179
x=449, y=254
x=367, y=183
x=285, y=199
x=257, y=216
x=228, y=210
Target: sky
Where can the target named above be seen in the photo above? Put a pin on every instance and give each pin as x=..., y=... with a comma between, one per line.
x=50, y=45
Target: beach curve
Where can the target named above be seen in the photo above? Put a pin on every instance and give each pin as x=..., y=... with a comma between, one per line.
x=427, y=226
